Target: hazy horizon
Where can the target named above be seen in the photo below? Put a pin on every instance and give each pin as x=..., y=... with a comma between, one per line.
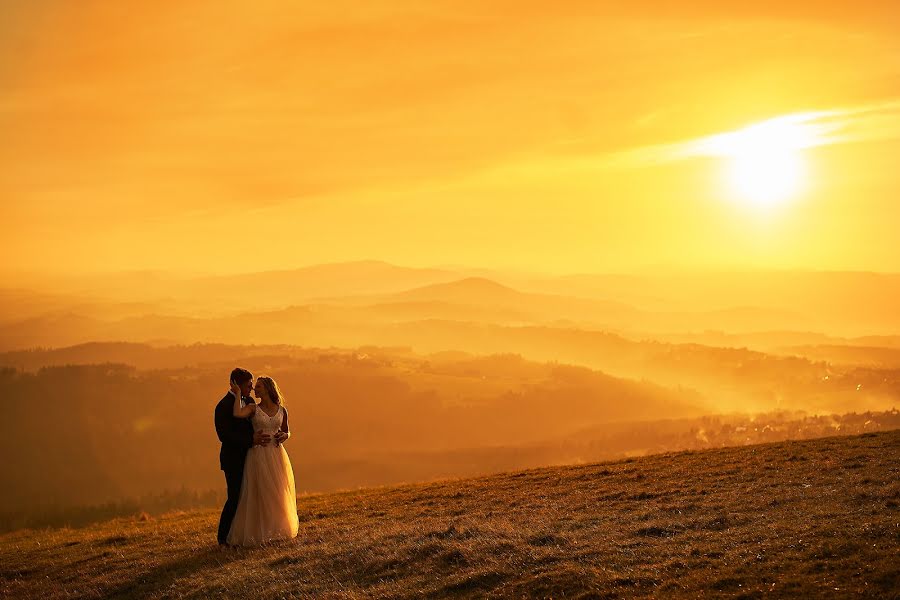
x=50, y=274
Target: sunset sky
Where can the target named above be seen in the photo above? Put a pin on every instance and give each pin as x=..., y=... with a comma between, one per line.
x=560, y=137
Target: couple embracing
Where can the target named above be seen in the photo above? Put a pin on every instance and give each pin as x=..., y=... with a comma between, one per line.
x=262, y=500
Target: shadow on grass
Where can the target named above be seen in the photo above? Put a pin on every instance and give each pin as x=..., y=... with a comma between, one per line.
x=162, y=577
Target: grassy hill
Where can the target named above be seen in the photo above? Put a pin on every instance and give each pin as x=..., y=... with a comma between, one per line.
x=817, y=518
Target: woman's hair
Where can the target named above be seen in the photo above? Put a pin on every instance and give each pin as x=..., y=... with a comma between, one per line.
x=272, y=388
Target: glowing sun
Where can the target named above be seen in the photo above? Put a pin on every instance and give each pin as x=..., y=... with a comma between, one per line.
x=766, y=166
x=765, y=161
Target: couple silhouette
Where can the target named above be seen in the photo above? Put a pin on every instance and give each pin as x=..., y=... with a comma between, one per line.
x=262, y=500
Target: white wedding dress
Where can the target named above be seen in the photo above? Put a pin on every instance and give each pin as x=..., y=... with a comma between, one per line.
x=267, y=509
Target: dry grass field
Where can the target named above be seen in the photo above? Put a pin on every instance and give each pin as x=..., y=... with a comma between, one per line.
x=808, y=519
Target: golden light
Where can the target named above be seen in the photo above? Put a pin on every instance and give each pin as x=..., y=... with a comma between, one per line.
x=766, y=165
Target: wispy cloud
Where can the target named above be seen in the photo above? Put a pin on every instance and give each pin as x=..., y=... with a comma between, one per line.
x=797, y=131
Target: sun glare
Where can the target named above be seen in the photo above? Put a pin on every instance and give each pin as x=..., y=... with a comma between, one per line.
x=765, y=176
x=766, y=165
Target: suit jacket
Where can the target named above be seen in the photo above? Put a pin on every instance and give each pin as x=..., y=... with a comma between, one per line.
x=235, y=434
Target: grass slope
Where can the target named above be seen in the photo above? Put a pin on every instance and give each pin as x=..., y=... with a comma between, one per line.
x=807, y=519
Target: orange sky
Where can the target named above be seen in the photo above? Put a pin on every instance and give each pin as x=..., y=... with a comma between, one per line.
x=234, y=136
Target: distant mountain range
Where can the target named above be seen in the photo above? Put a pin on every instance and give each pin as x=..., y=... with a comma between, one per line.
x=355, y=302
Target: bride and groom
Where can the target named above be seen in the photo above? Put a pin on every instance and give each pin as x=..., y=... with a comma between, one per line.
x=262, y=501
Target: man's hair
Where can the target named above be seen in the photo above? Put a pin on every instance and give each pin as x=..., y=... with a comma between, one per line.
x=241, y=376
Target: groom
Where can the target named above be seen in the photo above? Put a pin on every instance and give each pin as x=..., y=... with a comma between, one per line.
x=237, y=437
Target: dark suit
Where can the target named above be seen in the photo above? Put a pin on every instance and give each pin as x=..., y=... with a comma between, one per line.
x=236, y=436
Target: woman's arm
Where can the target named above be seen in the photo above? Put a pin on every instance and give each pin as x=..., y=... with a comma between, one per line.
x=239, y=411
x=283, y=435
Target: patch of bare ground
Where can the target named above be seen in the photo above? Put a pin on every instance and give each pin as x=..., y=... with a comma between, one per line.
x=803, y=519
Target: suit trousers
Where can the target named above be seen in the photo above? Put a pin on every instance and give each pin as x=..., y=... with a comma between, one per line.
x=233, y=478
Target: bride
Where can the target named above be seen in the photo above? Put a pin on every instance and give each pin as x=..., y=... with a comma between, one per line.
x=267, y=508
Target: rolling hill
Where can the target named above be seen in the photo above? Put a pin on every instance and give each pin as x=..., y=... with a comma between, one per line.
x=764, y=310
x=804, y=519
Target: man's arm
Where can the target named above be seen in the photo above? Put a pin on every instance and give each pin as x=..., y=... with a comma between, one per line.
x=225, y=429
